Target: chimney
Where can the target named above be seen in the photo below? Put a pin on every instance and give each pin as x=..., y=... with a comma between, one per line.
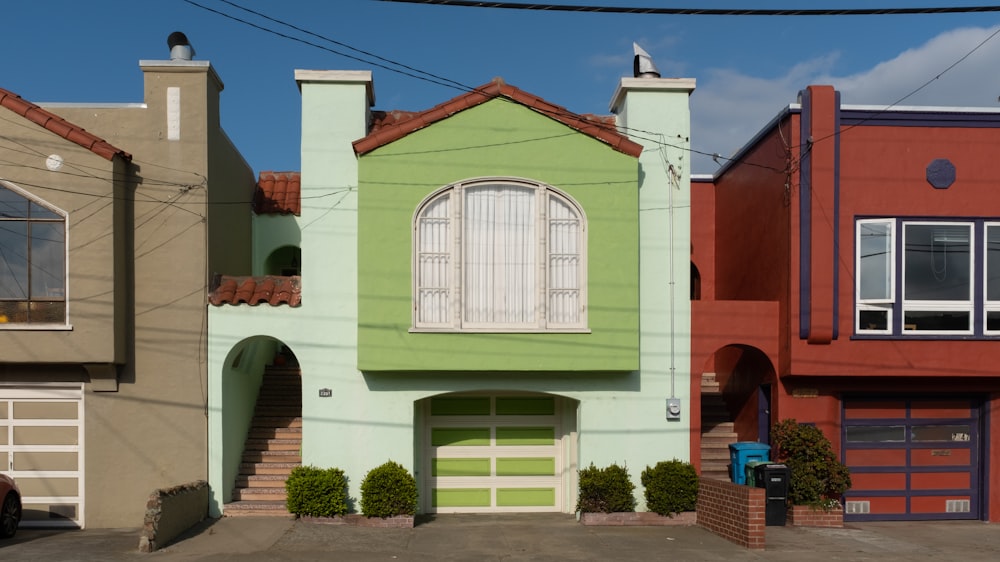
x=642, y=64
x=180, y=47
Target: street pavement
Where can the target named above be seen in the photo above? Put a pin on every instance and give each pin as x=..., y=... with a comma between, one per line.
x=509, y=538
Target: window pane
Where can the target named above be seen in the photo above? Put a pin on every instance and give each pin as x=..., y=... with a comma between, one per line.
x=993, y=320
x=993, y=262
x=434, y=262
x=941, y=433
x=48, y=263
x=564, y=263
x=12, y=205
x=873, y=320
x=876, y=434
x=937, y=262
x=935, y=320
x=500, y=251
x=13, y=258
x=40, y=212
x=875, y=246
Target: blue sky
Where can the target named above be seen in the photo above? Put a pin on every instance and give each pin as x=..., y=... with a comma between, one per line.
x=747, y=68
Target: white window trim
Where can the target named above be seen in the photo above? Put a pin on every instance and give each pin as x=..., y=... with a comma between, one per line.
x=13, y=326
x=978, y=272
x=455, y=192
x=967, y=305
x=988, y=305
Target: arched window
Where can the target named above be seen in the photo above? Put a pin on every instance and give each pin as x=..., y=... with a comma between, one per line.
x=499, y=255
x=32, y=259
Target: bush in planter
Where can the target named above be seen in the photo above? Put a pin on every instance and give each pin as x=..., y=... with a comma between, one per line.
x=605, y=490
x=316, y=492
x=388, y=490
x=817, y=477
x=671, y=487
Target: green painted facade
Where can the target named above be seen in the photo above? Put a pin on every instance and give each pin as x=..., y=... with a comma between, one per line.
x=497, y=139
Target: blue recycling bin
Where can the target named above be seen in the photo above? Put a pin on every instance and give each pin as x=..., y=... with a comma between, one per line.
x=743, y=452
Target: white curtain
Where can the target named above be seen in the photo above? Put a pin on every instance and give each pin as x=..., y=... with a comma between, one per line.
x=434, y=267
x=500, y=244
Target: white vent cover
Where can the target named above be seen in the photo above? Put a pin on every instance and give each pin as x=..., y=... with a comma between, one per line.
x=858, y=507
x=957, y=506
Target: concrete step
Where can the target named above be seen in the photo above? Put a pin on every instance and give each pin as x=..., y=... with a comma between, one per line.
x=718, y=439
x=261, y=481
x=270, y=468
x=273, y=445
x=715, y=455
x=260, y=494
x=256, y=509
x=272, y=456
x=277, y=421
x=717, y=427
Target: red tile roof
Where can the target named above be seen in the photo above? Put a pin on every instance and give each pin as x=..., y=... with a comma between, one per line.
x=278, y=193
x=274, y=290
x=60, y=126
x=392, y=126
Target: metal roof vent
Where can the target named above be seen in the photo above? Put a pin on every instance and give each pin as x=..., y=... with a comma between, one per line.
x=642, y=64
x=180, y=48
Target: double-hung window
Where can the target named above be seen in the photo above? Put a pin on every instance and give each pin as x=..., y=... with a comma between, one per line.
x=927, y=277
x=499, y=255
x=32, y=260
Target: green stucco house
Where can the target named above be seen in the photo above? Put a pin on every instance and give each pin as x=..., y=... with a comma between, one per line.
x=493, y=292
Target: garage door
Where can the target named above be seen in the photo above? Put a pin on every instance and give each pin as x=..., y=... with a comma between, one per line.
x=493, y=454
x=41, y=446
x=912, y=459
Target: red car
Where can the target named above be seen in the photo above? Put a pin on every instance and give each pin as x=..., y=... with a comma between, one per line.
x=10, y=506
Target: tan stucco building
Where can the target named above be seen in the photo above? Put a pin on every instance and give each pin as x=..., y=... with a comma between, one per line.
x=113, y=218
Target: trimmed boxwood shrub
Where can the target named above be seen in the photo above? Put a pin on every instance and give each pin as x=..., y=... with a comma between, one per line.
x=671, y=487
x=316, y=492
x=817, y=478
x=605, y=490
x=388, y=490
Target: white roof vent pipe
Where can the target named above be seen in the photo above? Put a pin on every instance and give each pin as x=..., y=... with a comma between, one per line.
x=180, y=48
x=642, y=64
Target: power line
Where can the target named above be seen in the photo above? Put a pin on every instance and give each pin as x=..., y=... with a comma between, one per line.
x=706, y=11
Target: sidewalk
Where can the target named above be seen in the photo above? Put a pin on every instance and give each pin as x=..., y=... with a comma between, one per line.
x=513, y=538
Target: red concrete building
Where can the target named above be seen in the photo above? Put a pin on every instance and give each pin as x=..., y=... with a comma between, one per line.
x=846, y=273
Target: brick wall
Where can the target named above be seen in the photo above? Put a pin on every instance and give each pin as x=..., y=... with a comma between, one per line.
x=732, y=511
x=805, y=516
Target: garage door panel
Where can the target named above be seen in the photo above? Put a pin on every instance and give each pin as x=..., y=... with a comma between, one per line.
x=928, y=470
x=460, y=436
x=929, y=409
x=876, y=457
x=862, y=481
x=41, y=444
x=940, y=504
x=535, y=436
x=526, y=497
x=940, y=457
x=507, y=460
x=940, y=481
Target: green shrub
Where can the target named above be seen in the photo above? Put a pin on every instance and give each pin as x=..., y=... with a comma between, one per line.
x=316, y=492
x=388, y=490
x=605, y=490
x=671, y=487
x=817, y=477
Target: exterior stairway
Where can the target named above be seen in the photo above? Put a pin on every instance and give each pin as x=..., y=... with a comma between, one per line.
x=273, y=446
x=717, y=431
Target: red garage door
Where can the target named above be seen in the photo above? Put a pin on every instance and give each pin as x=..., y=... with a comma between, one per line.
x=912, y=459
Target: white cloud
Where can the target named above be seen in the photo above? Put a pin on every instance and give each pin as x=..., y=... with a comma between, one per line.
x=729, y=107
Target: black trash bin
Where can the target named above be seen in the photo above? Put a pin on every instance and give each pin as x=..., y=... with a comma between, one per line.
x=774, y=479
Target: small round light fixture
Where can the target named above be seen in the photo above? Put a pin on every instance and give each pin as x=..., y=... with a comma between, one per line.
x=941, y=173
x=54, y=162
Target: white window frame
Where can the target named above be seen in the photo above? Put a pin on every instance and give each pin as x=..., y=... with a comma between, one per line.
x=956, y=305
x=898, y=304
x=65, y=324
x=453, y=252
x=882, y=305
x=988, y=305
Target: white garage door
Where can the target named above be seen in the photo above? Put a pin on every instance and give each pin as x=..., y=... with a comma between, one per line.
x=41, y=446
x=493, y=454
